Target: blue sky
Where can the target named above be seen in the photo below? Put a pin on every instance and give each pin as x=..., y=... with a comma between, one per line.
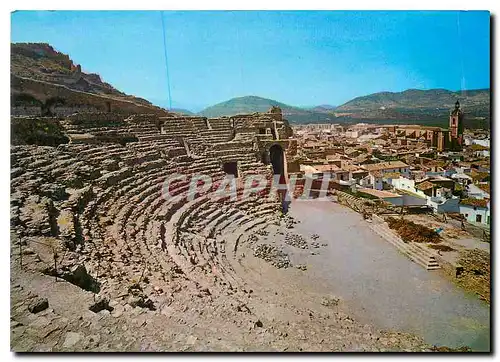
x=301, y=58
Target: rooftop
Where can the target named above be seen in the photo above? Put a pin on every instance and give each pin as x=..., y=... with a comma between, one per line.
x=476, y=147
x=478, y=176
x=325, y=168
x=415, y=126
x=475, y=202
x=378, y=193
x=484, y=187
x=408, y=192
x=385, y=165
x=426, y=185
x=440, y=178
x=376, y=173
x=392, y=175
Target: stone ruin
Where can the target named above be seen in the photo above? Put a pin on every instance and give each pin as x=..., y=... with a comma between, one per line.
x=98, y=197
x=155, y=273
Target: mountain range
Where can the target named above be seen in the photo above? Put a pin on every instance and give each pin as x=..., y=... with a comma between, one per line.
x=42, y=63
x=422, y=106
x=429, y=107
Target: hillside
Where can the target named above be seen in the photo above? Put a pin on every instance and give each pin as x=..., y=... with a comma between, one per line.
x=182, y=111
x=323, y=108
x=38, y=65
x=426, y=107
x=415, y=98
x=250, y=104
x=419, y=105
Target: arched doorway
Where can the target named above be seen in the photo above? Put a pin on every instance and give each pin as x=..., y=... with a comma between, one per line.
x=277, y=159
x=230, y=168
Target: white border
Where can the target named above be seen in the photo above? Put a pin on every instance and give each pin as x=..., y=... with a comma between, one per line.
x=182, y=5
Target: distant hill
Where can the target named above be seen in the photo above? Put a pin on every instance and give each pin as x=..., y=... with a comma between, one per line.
x=324, y=108
x=419, y=105
x=426, y=107
x=182, y=111
x=250, y=104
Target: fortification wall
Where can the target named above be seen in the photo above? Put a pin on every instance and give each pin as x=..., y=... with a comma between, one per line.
x=74, y=100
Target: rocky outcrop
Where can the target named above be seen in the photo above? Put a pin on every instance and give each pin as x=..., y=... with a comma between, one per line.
x=38, y=304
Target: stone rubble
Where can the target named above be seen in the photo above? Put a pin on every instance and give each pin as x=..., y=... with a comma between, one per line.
x=272, y=255
x=296, y=240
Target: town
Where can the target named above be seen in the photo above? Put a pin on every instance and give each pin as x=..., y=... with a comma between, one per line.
x=193, y=214
x=446, y=171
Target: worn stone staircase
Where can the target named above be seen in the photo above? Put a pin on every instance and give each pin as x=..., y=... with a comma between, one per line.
x=415, y=251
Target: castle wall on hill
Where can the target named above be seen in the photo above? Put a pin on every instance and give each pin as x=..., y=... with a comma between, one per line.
x=71, y=101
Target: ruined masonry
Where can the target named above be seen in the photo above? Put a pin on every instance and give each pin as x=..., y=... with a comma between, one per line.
x=99, y=196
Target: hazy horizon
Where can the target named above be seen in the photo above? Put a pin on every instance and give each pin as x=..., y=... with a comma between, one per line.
x=300, y=58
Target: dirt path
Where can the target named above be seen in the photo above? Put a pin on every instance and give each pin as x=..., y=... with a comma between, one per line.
x=381, y=286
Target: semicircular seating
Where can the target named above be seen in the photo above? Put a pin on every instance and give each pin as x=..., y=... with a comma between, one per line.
x=105, y=200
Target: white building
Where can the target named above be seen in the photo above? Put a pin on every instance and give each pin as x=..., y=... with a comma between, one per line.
x=476, y=211
x=462, y=178
x=442, y=201
x=482, y=142
x=352, y=134
x=476, y=193
x=372, y=181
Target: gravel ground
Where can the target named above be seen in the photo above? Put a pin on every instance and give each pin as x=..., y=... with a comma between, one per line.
x=383, y=287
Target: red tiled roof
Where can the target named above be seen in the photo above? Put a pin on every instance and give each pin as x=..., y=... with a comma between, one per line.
x=484, y=187
x=475, y=202
x=426, y=185
x=392, y=175
x=385, y=165
x=478, y=176
x=326, y=168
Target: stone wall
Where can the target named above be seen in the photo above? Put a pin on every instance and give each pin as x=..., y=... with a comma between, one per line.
x=26, y=111
x=42, y=91
x=94, y=117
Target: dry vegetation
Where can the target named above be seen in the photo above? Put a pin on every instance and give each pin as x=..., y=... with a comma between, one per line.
x=476, y=275
x=412, y=232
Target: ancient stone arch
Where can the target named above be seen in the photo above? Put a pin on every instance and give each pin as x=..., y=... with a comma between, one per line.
x=277, y=159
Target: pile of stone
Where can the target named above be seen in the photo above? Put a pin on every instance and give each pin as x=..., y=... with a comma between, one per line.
x=272, y=255
x=330, y=301
x=289, y=221
x=296, y=240
x=262, y=232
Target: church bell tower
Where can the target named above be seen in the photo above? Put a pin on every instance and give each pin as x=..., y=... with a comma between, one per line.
x=456, y=127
